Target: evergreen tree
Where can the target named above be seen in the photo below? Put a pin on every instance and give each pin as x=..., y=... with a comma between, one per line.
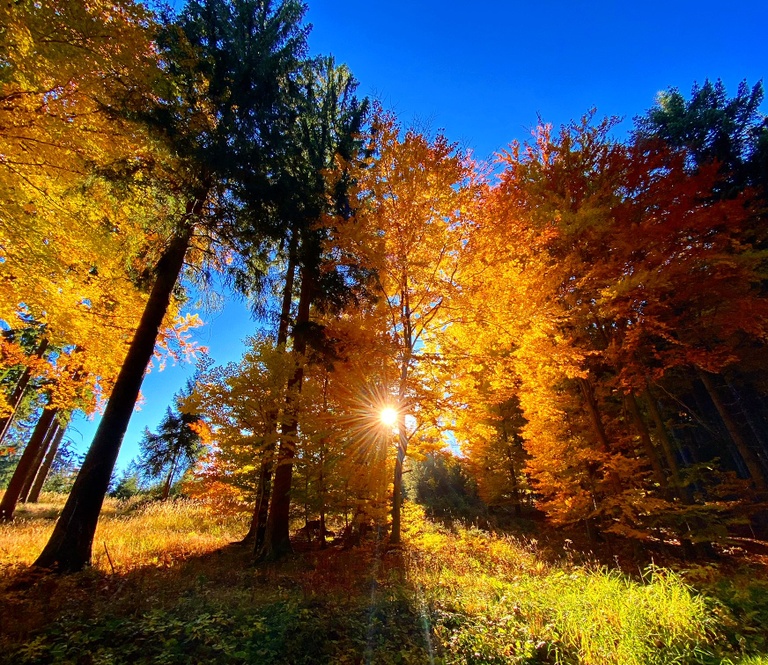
x=170, y=451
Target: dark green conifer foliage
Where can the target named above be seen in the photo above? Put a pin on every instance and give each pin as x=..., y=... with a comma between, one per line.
x=228, y=69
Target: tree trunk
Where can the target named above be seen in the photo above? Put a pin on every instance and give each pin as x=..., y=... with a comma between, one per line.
x=645, y=437
x=747, y=455
x=666, y=443
x=69, y=548
x=18, y=393
x=512, y=469
x=402, y=434
x=169, y=480
x=42, y=474
x=277, y=541
x=35, y=469
x=25, y=466
x=397, y=490
x=598, y=429
x=258, y=529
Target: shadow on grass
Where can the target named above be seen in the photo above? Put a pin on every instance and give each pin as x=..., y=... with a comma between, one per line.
x=330, y=606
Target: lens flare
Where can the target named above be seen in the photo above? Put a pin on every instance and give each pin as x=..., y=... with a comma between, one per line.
x=388, y=416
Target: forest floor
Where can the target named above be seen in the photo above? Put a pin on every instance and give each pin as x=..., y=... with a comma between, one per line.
x=168, y=586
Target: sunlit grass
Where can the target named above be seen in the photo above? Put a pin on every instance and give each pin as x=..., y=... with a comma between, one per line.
x=134, y=535
x=494, y=601
x=448, y=596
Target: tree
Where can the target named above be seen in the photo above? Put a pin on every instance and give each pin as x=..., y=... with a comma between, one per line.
x=69, y=242
x=228, y=67
x=419, y=193
x=712, y=128
x=174, y=448
x=327, y=145
x=239, y=404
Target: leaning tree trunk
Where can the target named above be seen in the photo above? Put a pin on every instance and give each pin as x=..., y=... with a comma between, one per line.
x=69, y=548
x=645, y=437
x=25, y=466
x=599, y=430
x=45, y=469
x=41, y=453
x=168, y=484
x=747, y=455
x=18, y=393
x=666, y=443
x=277, y=541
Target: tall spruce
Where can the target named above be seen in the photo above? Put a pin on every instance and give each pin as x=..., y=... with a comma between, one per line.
x=228, y=68
x=316, y=182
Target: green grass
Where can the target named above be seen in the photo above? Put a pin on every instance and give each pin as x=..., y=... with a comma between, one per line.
x=180, y=593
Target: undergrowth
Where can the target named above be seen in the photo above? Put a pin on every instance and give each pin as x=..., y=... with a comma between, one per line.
x=177, y=592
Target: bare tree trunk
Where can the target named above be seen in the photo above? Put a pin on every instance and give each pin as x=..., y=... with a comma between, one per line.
x=397, y=491
x=645, y=437
x=402, y=434
x=747, y=455
x=69, y=548
x=35, y=469
x=277, y=541
x=42, y=474
x=666, y=443
x=25, y=466
x=598, y=429
x=258, y=529
x=169, y=479
x=512, y=470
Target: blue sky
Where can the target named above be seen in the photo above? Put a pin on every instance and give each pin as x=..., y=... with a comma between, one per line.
x=484, y=72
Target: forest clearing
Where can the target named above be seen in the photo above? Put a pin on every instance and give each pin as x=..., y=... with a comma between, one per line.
x=175, y=589
x=501, y=410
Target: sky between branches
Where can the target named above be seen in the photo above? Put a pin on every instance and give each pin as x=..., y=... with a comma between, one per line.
x=485, y=72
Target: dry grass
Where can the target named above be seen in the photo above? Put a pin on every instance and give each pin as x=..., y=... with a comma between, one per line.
x=134, y=534
x=458, y=595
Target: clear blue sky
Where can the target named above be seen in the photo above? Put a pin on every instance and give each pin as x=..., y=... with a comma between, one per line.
x=485, y=71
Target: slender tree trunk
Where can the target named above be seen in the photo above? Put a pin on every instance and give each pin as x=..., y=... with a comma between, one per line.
x=747, y=413
x=402, y=433
x=747, y=455
x=666, y=443
x=69, y=548
x=645, y=437
x=45, y=469
x=169, y=480
x=512, y=469
x=598, y=429
x=18, y=393
x=277, y=541
x=397, y=490
x=35, y=469
x=25, y=466
x=258, y=529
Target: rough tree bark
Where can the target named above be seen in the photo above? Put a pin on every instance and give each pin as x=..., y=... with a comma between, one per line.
x=18, y=393
x=747, y=455
x=258, y=529
x=41, y=453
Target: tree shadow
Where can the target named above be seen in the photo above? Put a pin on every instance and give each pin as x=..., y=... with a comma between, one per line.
x=315, y=606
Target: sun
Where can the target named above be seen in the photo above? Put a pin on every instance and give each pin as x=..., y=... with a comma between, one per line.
x=388, y=416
